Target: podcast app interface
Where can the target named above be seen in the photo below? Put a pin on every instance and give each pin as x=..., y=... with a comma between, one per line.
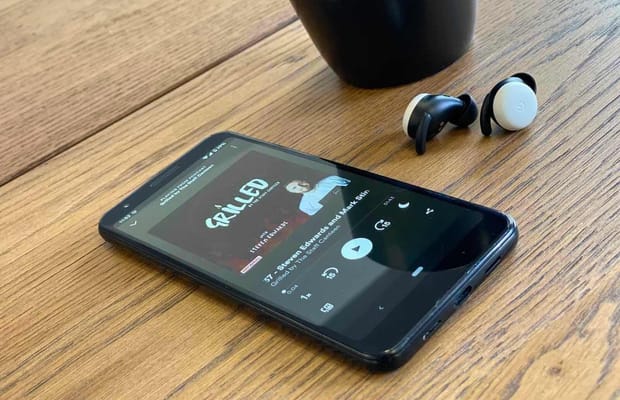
x=332, y=247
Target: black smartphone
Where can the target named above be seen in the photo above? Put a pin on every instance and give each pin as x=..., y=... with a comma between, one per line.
x=367, y=264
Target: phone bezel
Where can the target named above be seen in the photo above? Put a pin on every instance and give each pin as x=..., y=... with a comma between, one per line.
x=387, y=355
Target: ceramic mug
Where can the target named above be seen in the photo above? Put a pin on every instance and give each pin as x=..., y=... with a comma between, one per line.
x=380, y=43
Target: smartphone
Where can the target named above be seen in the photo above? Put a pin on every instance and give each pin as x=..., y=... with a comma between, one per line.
x=366, y=264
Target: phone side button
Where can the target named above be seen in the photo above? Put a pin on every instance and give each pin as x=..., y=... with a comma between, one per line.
x=428, y=333
x=463, y=296
x=493, y=266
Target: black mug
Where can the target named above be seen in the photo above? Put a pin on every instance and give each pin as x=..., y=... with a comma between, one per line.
x=380, y=43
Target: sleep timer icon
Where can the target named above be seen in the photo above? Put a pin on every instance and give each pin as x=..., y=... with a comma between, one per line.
x=327, y=307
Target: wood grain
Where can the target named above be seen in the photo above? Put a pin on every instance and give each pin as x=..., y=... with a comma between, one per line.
x=82, y=319
x=71, y=68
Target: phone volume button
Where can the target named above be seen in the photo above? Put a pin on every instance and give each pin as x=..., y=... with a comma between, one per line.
x=429, y=332
x=493, y=266
x=463, y=296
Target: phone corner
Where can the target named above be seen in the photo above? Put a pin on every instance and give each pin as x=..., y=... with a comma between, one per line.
x=512, y=223
x=102, y=229
x=393, y=359
x=397, y=355
x=104, y=226
x=221, y=135
x=512, y=230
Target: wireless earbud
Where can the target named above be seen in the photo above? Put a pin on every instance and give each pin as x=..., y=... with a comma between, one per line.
x=427, y=114
x=512, y=104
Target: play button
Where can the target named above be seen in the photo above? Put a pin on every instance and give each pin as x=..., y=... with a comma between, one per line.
x=356, y=248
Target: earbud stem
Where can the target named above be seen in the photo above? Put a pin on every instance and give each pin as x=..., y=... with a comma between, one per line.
x=421, y=133
x=485, y=116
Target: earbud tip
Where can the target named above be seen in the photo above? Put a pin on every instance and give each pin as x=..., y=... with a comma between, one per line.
x=528, y=79
x=470, y=111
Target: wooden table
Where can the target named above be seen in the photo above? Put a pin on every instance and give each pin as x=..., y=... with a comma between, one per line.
x=96, y=97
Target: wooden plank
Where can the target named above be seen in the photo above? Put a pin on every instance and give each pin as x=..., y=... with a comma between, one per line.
x=69, y=69
x=83, y=319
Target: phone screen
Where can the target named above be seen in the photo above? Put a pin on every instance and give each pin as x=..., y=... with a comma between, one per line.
x=339, y=249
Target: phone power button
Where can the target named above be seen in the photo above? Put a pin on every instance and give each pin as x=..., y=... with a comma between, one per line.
x=428, y=333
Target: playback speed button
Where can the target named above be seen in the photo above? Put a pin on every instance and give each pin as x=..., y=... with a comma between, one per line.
x=356, y=248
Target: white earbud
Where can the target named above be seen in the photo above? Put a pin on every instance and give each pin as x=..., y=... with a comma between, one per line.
x=512, y=104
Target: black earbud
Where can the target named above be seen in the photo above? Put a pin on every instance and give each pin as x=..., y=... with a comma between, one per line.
x=427, y=114
x=512, y=104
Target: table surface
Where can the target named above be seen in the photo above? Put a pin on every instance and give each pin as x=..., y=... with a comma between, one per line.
x=95, y=97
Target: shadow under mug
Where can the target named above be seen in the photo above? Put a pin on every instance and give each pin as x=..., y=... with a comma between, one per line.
x=381, y=43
